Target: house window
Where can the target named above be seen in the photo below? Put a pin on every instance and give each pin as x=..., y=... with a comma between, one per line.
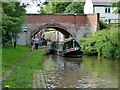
x=107, y=10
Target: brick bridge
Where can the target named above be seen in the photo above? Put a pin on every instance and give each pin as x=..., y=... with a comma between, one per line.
x=73, y=25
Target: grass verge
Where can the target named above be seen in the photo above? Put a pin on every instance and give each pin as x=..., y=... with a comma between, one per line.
x=22, y=77
x=11, y=55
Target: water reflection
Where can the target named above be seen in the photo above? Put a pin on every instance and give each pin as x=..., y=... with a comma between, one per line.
x=86, y=72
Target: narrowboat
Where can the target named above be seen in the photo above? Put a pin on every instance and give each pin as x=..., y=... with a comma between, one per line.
x=69, y=48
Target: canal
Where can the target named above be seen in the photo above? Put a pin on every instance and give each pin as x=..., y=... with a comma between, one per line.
x=85, y=72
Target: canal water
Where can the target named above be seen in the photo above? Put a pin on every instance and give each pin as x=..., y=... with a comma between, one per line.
x=85, y=72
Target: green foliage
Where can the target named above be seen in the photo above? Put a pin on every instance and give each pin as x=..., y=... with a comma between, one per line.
x=54, y=7
x=117, y=4
x=103, y=25
x=46, y=9
x=104, y=43
x=0, y=62
x=75, y=7
x=12, y=19
x=51, y=35
x=62, y=7
x=59, y=7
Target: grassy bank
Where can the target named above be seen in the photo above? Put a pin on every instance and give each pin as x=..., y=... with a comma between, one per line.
x=22, y=77
x=11, y=55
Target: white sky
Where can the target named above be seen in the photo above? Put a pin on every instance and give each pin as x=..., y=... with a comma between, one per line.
x=32, y=8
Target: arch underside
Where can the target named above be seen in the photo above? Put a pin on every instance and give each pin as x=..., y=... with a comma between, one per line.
x=55, y=26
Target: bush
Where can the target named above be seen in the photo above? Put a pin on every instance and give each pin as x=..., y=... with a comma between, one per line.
x=103, y=43
x=102, y=25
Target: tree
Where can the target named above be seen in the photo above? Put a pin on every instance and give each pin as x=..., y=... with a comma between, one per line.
x=59, y=7
x=117, y=11
x=75, y=7
x=12, y=19
x=46, y=8
x=117, y=4
x=62, y=7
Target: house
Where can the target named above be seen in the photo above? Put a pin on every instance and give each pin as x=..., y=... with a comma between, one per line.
x=103, y=7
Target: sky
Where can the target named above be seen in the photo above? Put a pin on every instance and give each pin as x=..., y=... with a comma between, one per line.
x=32, y=6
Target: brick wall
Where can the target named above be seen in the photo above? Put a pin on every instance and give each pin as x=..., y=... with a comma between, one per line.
x=74, y=25
x=73, y=19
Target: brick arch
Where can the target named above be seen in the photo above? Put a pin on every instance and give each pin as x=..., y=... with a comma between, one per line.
x=57, y=26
